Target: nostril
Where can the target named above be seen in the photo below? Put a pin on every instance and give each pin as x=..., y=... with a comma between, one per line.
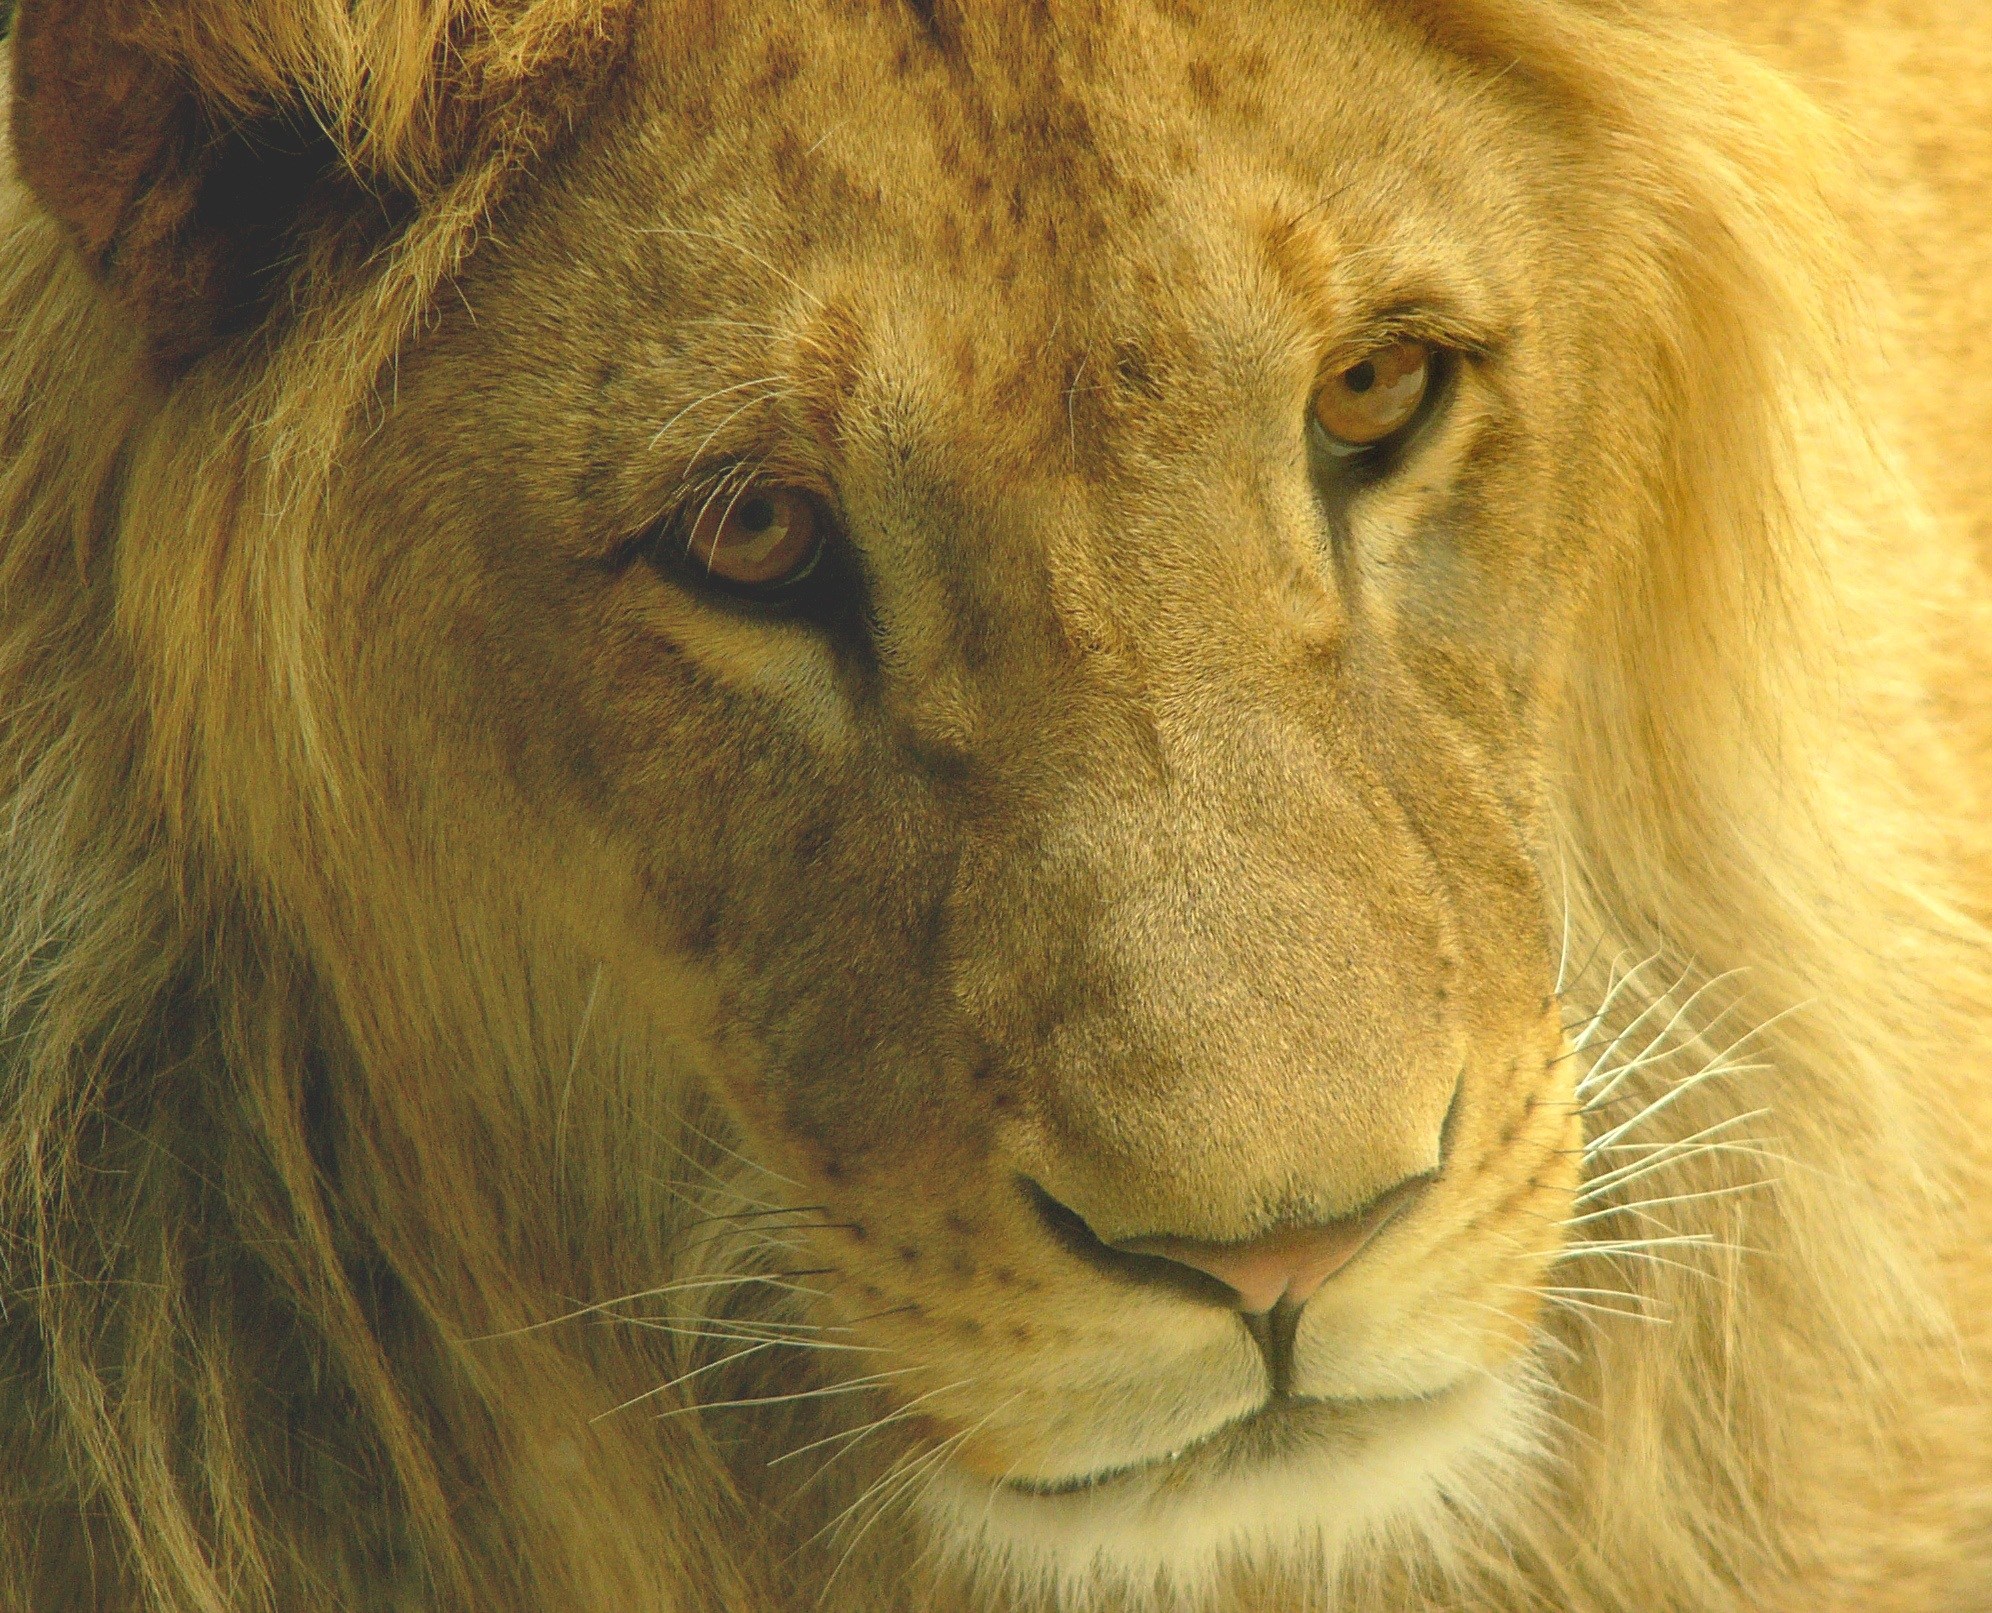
x=1289, y=1264
x=1069, y=1229
x=1284, y=1267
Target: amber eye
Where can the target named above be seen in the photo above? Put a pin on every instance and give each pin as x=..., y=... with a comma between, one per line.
x=1369, y=401
x=757, y=536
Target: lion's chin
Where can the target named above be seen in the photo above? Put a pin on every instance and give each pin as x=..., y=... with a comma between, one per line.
x=1296, y=1480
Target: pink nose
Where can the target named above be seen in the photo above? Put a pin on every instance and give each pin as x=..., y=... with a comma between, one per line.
x=1290, y=1263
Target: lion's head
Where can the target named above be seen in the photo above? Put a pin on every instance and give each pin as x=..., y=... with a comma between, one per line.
x=912, y=732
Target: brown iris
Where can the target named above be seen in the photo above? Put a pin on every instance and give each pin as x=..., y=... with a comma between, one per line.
x=1376, y=397
x=758, y=537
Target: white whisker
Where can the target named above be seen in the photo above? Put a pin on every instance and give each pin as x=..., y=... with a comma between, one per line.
x=1654, y=1052
x=1643, y=1205
x=848, y=1386
x=689, y=1285
x=698, y=403
x=1669, y=1154
x=685, y=1378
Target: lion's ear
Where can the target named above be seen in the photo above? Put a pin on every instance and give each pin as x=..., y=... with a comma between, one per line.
x=199, y=150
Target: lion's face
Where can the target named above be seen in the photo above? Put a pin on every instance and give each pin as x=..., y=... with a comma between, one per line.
x=1120, y=848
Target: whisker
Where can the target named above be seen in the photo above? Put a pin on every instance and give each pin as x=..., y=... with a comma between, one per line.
x=699, y=403
x=766, y=397
x=1717, y=1067
x=717, y=1183
x=659, y=1325
x=858, y=1435
x=1611, y=997
x=751, y=1164
x=779, y=1209
x=1652, y=1053
x=1671, y=1154
x=931, y=1463
x=898, y=1466
x=1643, y=1205
x=849, y=1386
x=1635, y=1025
x=690, y=1285
x=1697, y=1240
x=1651, y=1259
x=684, y=1378
x=1567, y=1302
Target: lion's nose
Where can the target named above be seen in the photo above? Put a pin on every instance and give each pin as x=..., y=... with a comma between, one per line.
x=1288, y=1264
x=1285, y=1266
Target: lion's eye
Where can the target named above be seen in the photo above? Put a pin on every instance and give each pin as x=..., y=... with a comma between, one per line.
x=1375, y=398
x=756, y=537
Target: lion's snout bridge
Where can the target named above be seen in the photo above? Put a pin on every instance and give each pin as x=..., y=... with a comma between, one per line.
x=1222, y=1009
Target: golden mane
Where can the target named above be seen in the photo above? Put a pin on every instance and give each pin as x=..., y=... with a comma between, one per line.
x=229, y=1201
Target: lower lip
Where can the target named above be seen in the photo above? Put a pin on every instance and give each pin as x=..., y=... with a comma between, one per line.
x=1273, y=1415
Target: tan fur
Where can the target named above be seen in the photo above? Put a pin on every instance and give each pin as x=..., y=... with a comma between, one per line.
x=517, y=1075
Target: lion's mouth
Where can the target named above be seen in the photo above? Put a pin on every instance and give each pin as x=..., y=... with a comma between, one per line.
x=1102, y=1477
x=1283, y=1426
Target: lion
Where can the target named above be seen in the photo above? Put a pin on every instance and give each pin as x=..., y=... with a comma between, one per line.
x=894, y=804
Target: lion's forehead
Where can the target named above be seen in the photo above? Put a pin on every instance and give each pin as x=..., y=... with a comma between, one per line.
x=1046, y=210
x=1056, y=284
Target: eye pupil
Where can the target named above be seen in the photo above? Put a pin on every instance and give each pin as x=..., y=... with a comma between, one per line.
x=1376, y=397
x=759, y=537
